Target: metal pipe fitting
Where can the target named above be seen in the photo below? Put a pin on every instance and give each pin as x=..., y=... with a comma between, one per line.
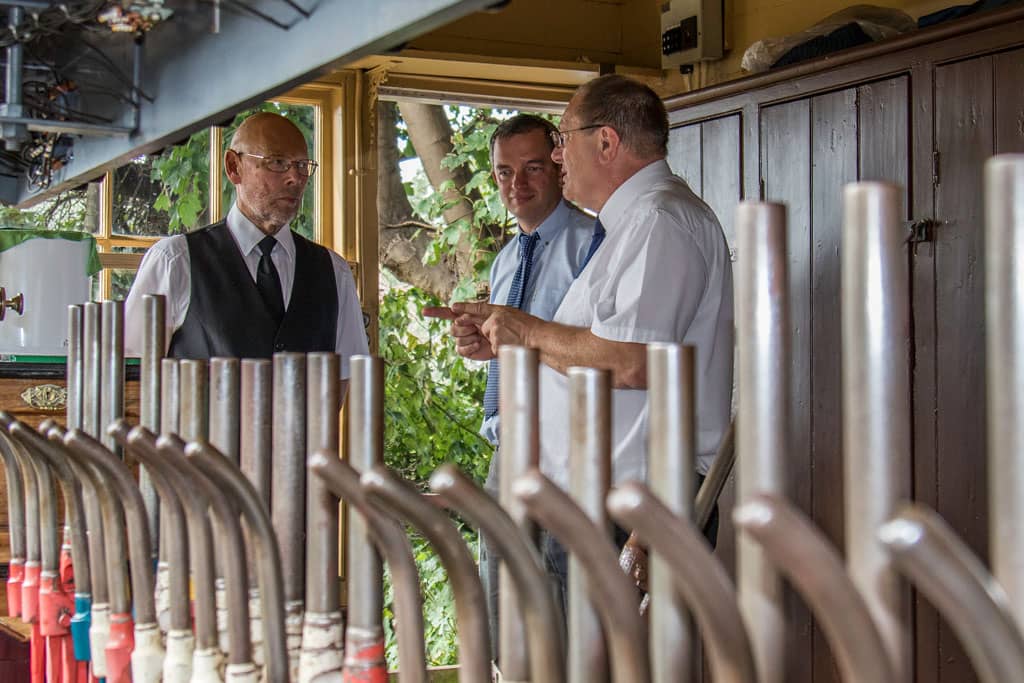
x=193, y=392
x=287, y=503
x=224, y=406
x=672, y=457
x=1004, y=316
x=170, y=397
x=73, y=416
x=942, y=568
x=876, y=401
x=323, y=637
x=92, y=361
x=230, y=539
x=16, y=524
x=815, y=570
x=401, y=499
x=175, y=470
x=256, y=438
x=229, y=479
x=698, y=577
x=520, y=451
x=366, y=449
x=154, y=346
x=611, y=591
x=391, y=541
x=762, y=420
x=111, y=371
x=590, y=476
x=546, y=651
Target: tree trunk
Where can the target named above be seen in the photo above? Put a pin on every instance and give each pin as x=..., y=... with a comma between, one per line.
x=403, y=240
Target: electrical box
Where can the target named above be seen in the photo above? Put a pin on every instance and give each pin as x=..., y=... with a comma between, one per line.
x=691, y=31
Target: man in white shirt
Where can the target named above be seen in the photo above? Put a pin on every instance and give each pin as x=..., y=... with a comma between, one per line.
x=663, y=274
x=249, y=286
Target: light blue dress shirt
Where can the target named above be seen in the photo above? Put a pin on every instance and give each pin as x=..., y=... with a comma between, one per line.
x=564, y=239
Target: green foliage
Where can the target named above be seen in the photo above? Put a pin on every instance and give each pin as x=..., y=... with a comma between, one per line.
x=433, y=396
x=64, y=212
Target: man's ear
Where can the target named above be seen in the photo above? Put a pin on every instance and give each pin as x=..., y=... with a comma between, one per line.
x=609, y=143
x=232, y=166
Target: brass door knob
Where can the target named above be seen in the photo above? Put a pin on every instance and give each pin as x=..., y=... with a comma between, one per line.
x=16, y=303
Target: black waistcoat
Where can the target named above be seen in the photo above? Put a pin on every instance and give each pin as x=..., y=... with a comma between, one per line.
x=226, y=315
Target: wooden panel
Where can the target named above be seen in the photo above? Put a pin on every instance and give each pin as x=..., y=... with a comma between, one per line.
x=684, y=155
x=721, y=171
x=785, y=166
x=1009, y=99
x=963, y=139
x=833, y=164
x=884, y=147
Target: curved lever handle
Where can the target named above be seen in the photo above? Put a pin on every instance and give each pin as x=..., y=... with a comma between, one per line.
x=699, y=577
x=942, y=567
x=814, y=568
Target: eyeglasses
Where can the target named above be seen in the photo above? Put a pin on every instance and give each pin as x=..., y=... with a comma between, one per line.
x=306, y=167
x=559, y=136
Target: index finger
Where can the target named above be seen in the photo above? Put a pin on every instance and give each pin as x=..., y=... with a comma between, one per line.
x=480, y=309
x=442, y=312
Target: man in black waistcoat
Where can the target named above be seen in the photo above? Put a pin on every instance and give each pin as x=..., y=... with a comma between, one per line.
x=248, y=286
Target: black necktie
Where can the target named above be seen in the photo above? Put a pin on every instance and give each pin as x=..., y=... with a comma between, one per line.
x=268, y=282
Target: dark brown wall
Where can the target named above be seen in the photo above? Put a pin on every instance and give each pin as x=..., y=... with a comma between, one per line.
x=925, y=117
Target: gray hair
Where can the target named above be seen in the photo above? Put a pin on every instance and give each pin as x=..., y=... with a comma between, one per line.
x=630, y=107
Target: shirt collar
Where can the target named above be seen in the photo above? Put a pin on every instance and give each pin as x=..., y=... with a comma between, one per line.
x=551, y=226
x=248, y=236
x=624, y=196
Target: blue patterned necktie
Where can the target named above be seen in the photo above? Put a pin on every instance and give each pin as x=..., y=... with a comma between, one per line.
x=595, y=242
x=516, y=292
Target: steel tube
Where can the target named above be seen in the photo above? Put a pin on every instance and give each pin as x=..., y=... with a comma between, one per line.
x=876, y=400
x=762, y=333
x=110, y=619
x=391, y=541
x=590, y=475
x=542, y=617
x=73, y=416
x=154, y=345
x=718, y=474
x=175, y=525
x=288, y=495
x=122, y=485
x=672, y=455
x=322, y=633
x=1004, y=316
x=230, y=479
x=366, y=449
x=111, y=370
x=256, y=441
x=170, y=397
x=948, y=574
x=194, y=416
x=224, y=406
x=92, y=360
x=30, y=581
x=16, y=524
x=520, y=451
x=401, y=499
x=815, y=569
x=33, y=441
x=698, y=577
x=611, y=590
x=169, y=462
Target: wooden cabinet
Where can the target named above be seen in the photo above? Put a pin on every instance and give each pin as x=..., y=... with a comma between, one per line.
x=924, y=112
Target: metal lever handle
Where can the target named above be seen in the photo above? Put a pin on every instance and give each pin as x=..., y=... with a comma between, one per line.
x=16, y=303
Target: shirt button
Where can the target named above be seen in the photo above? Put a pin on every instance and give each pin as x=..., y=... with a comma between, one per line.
x=279, y=347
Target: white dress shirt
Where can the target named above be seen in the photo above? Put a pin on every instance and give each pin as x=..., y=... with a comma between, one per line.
x=662, y=275
x=166, y=270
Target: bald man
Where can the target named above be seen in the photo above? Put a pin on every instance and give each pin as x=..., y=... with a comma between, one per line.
x=248, y=286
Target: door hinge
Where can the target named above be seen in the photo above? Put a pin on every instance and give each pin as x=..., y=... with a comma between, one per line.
x=922, y=230
x=760, y=189
x=935, y=168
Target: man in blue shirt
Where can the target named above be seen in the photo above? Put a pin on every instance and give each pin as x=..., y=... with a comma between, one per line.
x=532, y=272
